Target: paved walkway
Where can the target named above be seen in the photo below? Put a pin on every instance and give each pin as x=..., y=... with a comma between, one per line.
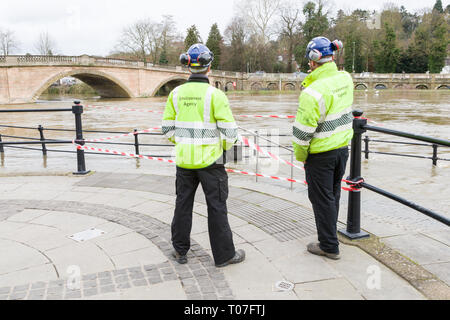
x=41, y=216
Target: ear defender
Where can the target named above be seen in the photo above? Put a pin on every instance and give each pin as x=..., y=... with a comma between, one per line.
x=337, y=45
x=185, y=59
x=205, y=58
x=315, y=55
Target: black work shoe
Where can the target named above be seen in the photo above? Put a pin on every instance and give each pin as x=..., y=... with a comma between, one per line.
x=239, y=256
x=179, y=258
x=314, y=248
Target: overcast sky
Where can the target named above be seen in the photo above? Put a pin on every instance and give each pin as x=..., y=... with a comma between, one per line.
x=93, y=26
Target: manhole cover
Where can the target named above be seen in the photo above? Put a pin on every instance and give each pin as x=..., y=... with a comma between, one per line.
x=284, y=286
x=87, y=235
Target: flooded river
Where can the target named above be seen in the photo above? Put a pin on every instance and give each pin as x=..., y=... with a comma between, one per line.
x=420, y=112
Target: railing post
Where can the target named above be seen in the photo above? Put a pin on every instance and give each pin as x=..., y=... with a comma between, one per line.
x=366, y=147
x=136, y=142
x=353, y=230
x=257, y=154
x=435, y=154
x=2, y=150
x=77, y=110
x=42, y=138
x=292, y=170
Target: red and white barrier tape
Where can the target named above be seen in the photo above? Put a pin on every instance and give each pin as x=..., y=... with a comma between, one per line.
x=124, y=135
x=126, y=154
x=264, y=176
x=352, y=184
x=254, y=146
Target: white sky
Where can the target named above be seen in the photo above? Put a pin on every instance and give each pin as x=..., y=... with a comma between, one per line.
x=93, y=26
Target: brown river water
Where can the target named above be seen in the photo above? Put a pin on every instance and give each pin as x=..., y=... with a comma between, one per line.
x=419, y=112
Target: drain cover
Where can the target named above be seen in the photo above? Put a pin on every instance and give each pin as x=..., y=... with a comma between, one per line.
x=87, y=235
x=284, y=286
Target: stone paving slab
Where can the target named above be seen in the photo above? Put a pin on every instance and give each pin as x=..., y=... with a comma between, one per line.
x=272, y=255
x=420, y=248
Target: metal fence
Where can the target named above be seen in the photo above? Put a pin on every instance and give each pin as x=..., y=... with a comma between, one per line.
x=357, y=182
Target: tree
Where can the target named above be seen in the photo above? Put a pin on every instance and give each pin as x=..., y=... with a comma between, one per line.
x=134, y=38
x=8, y=42
x=316, y=24
x=438, y=6
x=234, y=57
x=387, y=53
x=163, y=57
x=259, y=15
x=290, y=29
x=439, y=42
x=168, y=36
x=353, y=31
x=45, y=45
x=214, y=43
x=193, y=37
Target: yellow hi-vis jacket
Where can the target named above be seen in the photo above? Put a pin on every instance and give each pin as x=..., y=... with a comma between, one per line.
x=324, y=119
x=198, y=119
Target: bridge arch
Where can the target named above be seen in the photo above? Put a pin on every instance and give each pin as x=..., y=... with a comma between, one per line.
x=105, y=84
x=361, y=86
x=272, y=86
x=256, y=86
x=229, y=86
x=443, y=87
x=166, y=86
x=380, y=86
x=289, y=86
x=422, y=87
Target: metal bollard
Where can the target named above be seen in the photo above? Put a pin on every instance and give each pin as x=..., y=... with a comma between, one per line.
x=77, y=110
x=42, y=138
x=353, y=230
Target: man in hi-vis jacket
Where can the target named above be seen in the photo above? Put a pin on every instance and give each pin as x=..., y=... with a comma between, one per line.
x=198, y=119
x=322, y=132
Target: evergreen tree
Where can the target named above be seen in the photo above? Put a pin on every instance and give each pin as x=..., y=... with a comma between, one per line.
x=387, y=52
x=163, y=57
x=439, y=43
x=438, y=6
x=193, y=37
x=316, y=24
x=214, y=44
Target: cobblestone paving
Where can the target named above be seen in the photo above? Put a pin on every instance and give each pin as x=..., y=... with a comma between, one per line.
x=200, y=279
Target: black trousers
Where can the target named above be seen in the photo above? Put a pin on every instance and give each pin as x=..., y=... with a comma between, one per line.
x=324, y=173
x=214, y=181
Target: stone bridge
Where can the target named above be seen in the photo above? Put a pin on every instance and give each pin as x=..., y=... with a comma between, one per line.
x=286, y=82
x=24, y=78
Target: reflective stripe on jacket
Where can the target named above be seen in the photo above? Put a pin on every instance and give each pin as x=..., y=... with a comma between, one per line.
x=198, y=119
x=324, y=119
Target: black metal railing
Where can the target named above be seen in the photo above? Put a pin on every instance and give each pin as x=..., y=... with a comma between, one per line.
x=77, y=110
x=434, y=158
x=356, y=181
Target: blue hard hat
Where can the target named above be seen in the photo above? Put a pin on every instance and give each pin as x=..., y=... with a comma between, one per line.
x=197, y=57
x=320, y=49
